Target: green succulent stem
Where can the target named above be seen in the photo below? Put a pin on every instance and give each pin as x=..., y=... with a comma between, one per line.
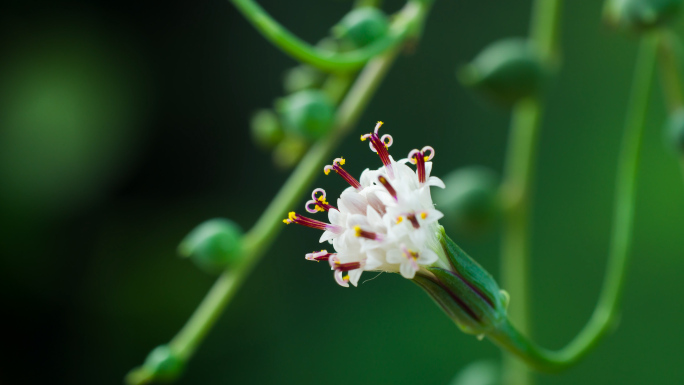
x=257, y=241
x=606, y=312
x=517, y=186
x=402, y=26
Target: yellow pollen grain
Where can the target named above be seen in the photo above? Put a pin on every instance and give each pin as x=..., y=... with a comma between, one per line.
x=358, y=230
x=286, y=221
x=363, y=137
x=342, y=161
x=292, y=216
x=400, y=219
x=326, y=171
x=423, y=215
x=426, y=158
x=380, y=123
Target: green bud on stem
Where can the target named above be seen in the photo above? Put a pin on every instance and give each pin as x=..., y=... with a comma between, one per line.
x=470, y=201
x=288, y=152
x=506, y=71
x=639, y=15
x=362, y=26
x=674, y=130
x=466, y=292
x=302, y=77
x=265, y=128
x=214, y=245
x=308, y=113
x=162, y=365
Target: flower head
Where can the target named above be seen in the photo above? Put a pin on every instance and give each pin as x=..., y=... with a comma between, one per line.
x=384, y=221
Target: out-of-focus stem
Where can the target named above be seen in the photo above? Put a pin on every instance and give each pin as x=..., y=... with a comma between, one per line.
x=671, y=80
x=606, y=311
x=517, y=186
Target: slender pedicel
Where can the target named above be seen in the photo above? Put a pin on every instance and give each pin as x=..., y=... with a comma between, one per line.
x=314, y=224
x=319, y=203
x=337, y=167
x=380, y=145
x=318, y=256
x=419, y=158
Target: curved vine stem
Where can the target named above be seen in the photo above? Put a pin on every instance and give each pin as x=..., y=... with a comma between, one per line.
x=263, y=233
x=605, y=313
x=304, y=52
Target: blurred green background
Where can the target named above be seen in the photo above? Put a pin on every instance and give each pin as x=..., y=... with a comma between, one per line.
x=125, y=124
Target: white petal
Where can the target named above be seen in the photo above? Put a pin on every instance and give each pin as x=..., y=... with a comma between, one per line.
x=395, y=256
x=354, y=276
x=353, y=201
x=335, y=217
x=327, y=235
x=428, y=169
x=406, y=270
x=427, y=257
x=338, y=278
x=434, y=181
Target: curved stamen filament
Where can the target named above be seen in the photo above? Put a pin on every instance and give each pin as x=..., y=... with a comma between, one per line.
x=318, y=256
x=359, y=232
x=308, y=222
x=419, y=158
x=380, y=146
x=318, y=203
x=414, y=221
x=337, y=167
x=388, y=186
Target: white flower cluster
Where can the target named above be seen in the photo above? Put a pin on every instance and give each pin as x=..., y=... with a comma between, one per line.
x=385, y=221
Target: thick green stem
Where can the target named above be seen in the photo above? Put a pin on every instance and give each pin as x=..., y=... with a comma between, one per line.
x=304, y=52
x=517, y=186
x=605, y=313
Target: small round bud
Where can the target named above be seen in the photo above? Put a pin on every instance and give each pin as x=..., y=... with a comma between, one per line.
x=362, y=26
x=162, y=365
x=265, y=128
x=214, y=245
x=301, y=78
x=479, y=373
x=674, y=130
x=638, y=15
x=308, y=113
x=470, y=201
x=288, y=152
x=507, y=71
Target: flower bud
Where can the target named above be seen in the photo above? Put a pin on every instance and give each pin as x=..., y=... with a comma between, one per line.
x=308, y=113
x=674, y=130
x=466, y=292
x=161, y=365
x=638, y=15
x=265, y=128
x=362, y=26
x=302, y=77
x=483, y=372
x=470, y=201
x=213, y=245
x=289, y=151
x=506, y=71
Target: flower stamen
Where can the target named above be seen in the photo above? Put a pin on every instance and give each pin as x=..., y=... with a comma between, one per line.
x=318, y=256
x=359, y=232
x=337, y=167
x=314, y=224
x=319, y=203
x=388, y=186
x=380, y=145
x=419, y=158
